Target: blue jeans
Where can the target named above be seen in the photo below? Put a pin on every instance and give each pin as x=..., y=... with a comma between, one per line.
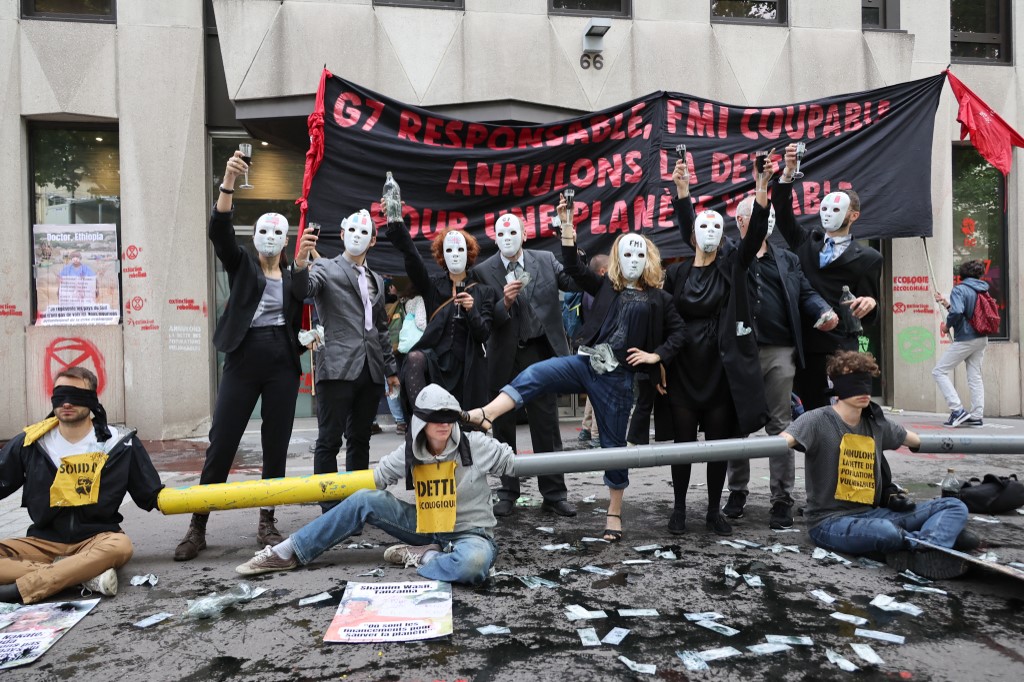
x=611, y=394
x=937, y=521
x=466, y=557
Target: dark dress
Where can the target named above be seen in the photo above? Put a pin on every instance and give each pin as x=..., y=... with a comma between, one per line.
x=699, y=376
x=454, y=349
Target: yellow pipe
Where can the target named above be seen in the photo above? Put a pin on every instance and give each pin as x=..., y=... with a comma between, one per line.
x=270, y=492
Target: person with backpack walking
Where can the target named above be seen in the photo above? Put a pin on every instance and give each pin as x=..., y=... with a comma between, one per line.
x=970, y=318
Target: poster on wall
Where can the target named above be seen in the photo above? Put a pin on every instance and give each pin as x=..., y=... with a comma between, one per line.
x=76, y=274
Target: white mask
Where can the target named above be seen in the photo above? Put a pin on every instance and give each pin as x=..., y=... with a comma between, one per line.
x=456, y=252
x=508, y=233
x=834, y=208
x=771, y=221
x=270, y=234
x=707, y=230
x=357, y=231
x=632, y=253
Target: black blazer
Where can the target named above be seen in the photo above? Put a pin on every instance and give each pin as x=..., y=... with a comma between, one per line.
x=859, y=267
x=739, y=353
x=247, y=282
x=800, y=297
x=664, y=327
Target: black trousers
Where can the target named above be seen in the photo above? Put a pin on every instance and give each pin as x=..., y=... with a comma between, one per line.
x=263, y=366
x=345, y=408
x=543, y=416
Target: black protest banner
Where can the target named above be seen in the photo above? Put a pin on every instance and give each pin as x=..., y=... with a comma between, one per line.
x=463, y=174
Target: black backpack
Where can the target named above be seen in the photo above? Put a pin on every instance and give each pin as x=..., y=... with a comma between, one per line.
x=993, y=494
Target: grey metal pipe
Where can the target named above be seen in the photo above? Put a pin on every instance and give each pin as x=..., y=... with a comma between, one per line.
x=640, y=456
x=971, y=443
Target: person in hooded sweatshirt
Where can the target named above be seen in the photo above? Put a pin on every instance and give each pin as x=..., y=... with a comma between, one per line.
x=968, y=346
x=446, y=534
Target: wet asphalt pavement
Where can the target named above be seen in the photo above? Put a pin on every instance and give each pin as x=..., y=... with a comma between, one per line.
x=974, y=632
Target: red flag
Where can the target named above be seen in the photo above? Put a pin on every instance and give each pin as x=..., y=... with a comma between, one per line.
x=991, y=135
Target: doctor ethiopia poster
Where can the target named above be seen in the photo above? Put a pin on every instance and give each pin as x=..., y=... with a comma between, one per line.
x=76, y=274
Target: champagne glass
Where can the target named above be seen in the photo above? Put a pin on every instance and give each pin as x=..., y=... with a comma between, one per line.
x=570, y=196
x=681, y=152
x=459, y=288
x=246, y=150
x=760, y=161
x=801, y=147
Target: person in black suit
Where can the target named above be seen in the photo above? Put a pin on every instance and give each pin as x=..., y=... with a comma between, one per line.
x=830, y=259
x=715, y=382
x=259, y=333
x=779, y=293
x=632, y=324
x=527, y=329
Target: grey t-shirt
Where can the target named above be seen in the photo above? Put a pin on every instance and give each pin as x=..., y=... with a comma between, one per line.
x=820, y=433
x=270, y=311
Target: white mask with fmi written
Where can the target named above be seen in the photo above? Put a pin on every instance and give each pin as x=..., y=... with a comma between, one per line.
x=270, y=234
x=455, y=252
x=834, y=208
x=632, y=254
x=707, y=230
x=508, y=234
x=357, y=232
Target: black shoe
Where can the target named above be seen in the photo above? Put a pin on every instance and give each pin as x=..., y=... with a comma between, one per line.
x=781, y=516
x=967, y=541
x=677, y=522
x=504, y=508
x=560, y=507
x=931, y=564
x=584, y=436
x=734, y=507
x=718, y=525
x=974, y=421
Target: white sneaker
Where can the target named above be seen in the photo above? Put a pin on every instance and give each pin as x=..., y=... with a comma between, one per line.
x=266, y=561
x=408, y=555
x=105, y=583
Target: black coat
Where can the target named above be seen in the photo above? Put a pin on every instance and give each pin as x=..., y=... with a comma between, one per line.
x=436, y=291
x=128, y=469
x=800, y=297
x=740, y=357
x=664, y=326
x=247, y=282
x=859, y=267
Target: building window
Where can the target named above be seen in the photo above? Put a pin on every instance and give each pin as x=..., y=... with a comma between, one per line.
x=76, y=224
x=979, y=223
x=980, y=30
x=429, y=4
x=880, y=14
x=760, y=11
x=70, y=10
x=599, y=8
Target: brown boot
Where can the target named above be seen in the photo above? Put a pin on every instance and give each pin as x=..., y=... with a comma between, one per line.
x=194, y=540
x=267, y=533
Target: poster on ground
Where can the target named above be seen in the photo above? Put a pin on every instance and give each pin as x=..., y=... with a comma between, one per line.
x=27, y=632
x=392, y=612
x=76, y=269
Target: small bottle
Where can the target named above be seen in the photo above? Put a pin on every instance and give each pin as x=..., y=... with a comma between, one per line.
x=853, y=322
x=950, y=485
x=393, y=199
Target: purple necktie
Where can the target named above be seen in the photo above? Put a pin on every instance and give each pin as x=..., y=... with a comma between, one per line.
x=364, y=293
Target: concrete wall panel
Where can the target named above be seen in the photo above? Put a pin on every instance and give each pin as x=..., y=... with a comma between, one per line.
x=419, y=51
x=241, y=28
x=892, y=54
x=752, y=53
x=163, y=214
x=15, y=273
x=696, y=11
x=843, y=15
x=145, y=13
x=50, y=349
x=68, y=68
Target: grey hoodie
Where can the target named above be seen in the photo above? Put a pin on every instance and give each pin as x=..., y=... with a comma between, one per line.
x=472, y=491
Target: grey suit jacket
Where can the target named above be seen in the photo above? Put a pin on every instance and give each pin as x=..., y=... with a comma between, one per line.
x=546, y=278
x=334, y=285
